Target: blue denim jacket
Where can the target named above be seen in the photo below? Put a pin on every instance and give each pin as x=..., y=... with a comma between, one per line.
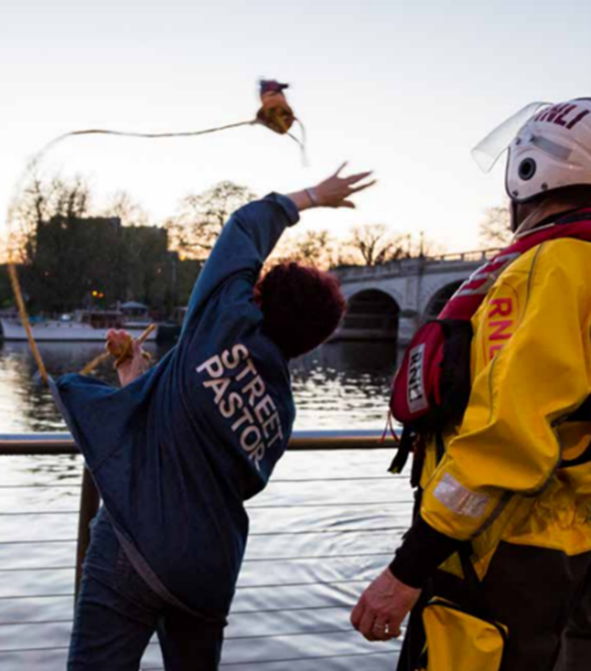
x=175, y=453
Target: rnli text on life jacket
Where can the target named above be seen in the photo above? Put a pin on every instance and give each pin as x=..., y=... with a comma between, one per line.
x=416, y=388
x=500, y=324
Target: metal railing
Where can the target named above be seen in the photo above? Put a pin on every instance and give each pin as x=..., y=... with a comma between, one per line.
x=473, y=255
x=319, y=533
x=414, y=265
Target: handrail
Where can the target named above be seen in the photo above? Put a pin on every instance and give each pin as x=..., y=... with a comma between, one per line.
x=63, y=443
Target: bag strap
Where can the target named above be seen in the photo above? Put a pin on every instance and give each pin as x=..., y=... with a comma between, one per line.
x=405, y=446
x=474, y=593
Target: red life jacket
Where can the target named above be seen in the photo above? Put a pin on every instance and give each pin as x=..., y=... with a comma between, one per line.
x=432, y=385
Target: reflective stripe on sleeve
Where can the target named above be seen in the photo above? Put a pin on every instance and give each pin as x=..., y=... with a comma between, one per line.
x=460, y=500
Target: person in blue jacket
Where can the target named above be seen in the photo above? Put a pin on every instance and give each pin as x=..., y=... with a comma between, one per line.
x=177, y=449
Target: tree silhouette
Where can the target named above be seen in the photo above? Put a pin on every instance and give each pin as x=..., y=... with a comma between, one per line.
x=495, y=230
x=39, y=202
x=312, y=248
x=376, y=244
x=202, y=216
x=125, y=208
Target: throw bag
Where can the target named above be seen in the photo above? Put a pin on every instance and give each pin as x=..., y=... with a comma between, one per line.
x=459, y=641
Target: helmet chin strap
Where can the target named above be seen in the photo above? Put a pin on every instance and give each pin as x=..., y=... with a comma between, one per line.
x=527, y=216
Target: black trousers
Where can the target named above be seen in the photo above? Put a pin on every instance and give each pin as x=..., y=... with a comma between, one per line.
x=544, y=598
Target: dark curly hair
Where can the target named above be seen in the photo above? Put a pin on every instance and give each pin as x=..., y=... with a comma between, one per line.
x=302, y=306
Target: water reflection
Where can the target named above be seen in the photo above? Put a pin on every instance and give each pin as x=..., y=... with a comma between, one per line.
x=25, y=403
x=344, y=385
x=339, y=386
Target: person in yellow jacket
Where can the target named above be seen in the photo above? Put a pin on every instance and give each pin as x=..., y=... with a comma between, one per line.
x=513, y=480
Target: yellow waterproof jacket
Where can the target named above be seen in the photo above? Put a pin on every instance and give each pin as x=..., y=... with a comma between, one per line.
x=503, y=476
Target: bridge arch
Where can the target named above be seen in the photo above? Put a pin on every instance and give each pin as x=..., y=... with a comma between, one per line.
x=371, y=315
x=439, y=299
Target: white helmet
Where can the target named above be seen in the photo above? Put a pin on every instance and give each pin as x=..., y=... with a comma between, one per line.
x=550, y=151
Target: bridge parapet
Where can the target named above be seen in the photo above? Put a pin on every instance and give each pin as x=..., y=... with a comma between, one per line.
x=417, y=265
x=418, y=287
x=475, y=255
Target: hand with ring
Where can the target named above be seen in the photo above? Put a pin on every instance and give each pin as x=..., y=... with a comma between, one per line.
x=381, y=631
x=383, y=606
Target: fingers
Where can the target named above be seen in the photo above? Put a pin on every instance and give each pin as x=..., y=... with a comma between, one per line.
x=361, y=187
x=133, y=365
x=353, y=179
x=381, y=630
x=366, y=625
x=339, y=170
x=113, y=336
x=364, y=620
x=375, y=628
x=117, y=335
x=139, y=357
x=350, y=191
x=357, y=613
x=336, y=191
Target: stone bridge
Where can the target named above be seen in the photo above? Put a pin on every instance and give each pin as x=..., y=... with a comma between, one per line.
x=390, y=301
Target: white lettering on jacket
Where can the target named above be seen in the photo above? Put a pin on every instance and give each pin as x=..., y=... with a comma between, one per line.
x=241, y=398
x=416, y=398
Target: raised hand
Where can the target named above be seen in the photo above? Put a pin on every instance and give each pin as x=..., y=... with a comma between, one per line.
x=336, y=190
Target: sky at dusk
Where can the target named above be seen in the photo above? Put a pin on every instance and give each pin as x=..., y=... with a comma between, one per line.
x=405, y=89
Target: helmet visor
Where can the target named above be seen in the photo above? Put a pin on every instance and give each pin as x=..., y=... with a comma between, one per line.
x=488, y=151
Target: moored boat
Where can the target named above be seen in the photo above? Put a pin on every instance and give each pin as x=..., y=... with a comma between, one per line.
x=82, y=326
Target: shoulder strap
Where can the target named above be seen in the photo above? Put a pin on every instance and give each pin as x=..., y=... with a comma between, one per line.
x=403, y=451
x=574, y=218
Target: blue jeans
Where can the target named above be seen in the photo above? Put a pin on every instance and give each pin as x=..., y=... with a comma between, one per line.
x=117, y=614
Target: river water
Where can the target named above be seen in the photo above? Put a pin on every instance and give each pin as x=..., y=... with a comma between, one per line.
x=311, y=551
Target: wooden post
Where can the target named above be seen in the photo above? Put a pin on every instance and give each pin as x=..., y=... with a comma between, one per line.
x=89, y=505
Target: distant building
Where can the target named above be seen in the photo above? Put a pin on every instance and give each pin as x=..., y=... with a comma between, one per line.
x=95, y=261
x=88, y=262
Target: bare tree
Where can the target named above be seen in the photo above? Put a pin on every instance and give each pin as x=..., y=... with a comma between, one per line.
x=344, y=256
x=202, y=216
x=125, y=208
x=312, y=248
x=423, y=247
x=39, y=202
x=495, y=230
x=376, y=244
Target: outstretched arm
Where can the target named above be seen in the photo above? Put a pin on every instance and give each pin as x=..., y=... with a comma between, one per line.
x=253, y=231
